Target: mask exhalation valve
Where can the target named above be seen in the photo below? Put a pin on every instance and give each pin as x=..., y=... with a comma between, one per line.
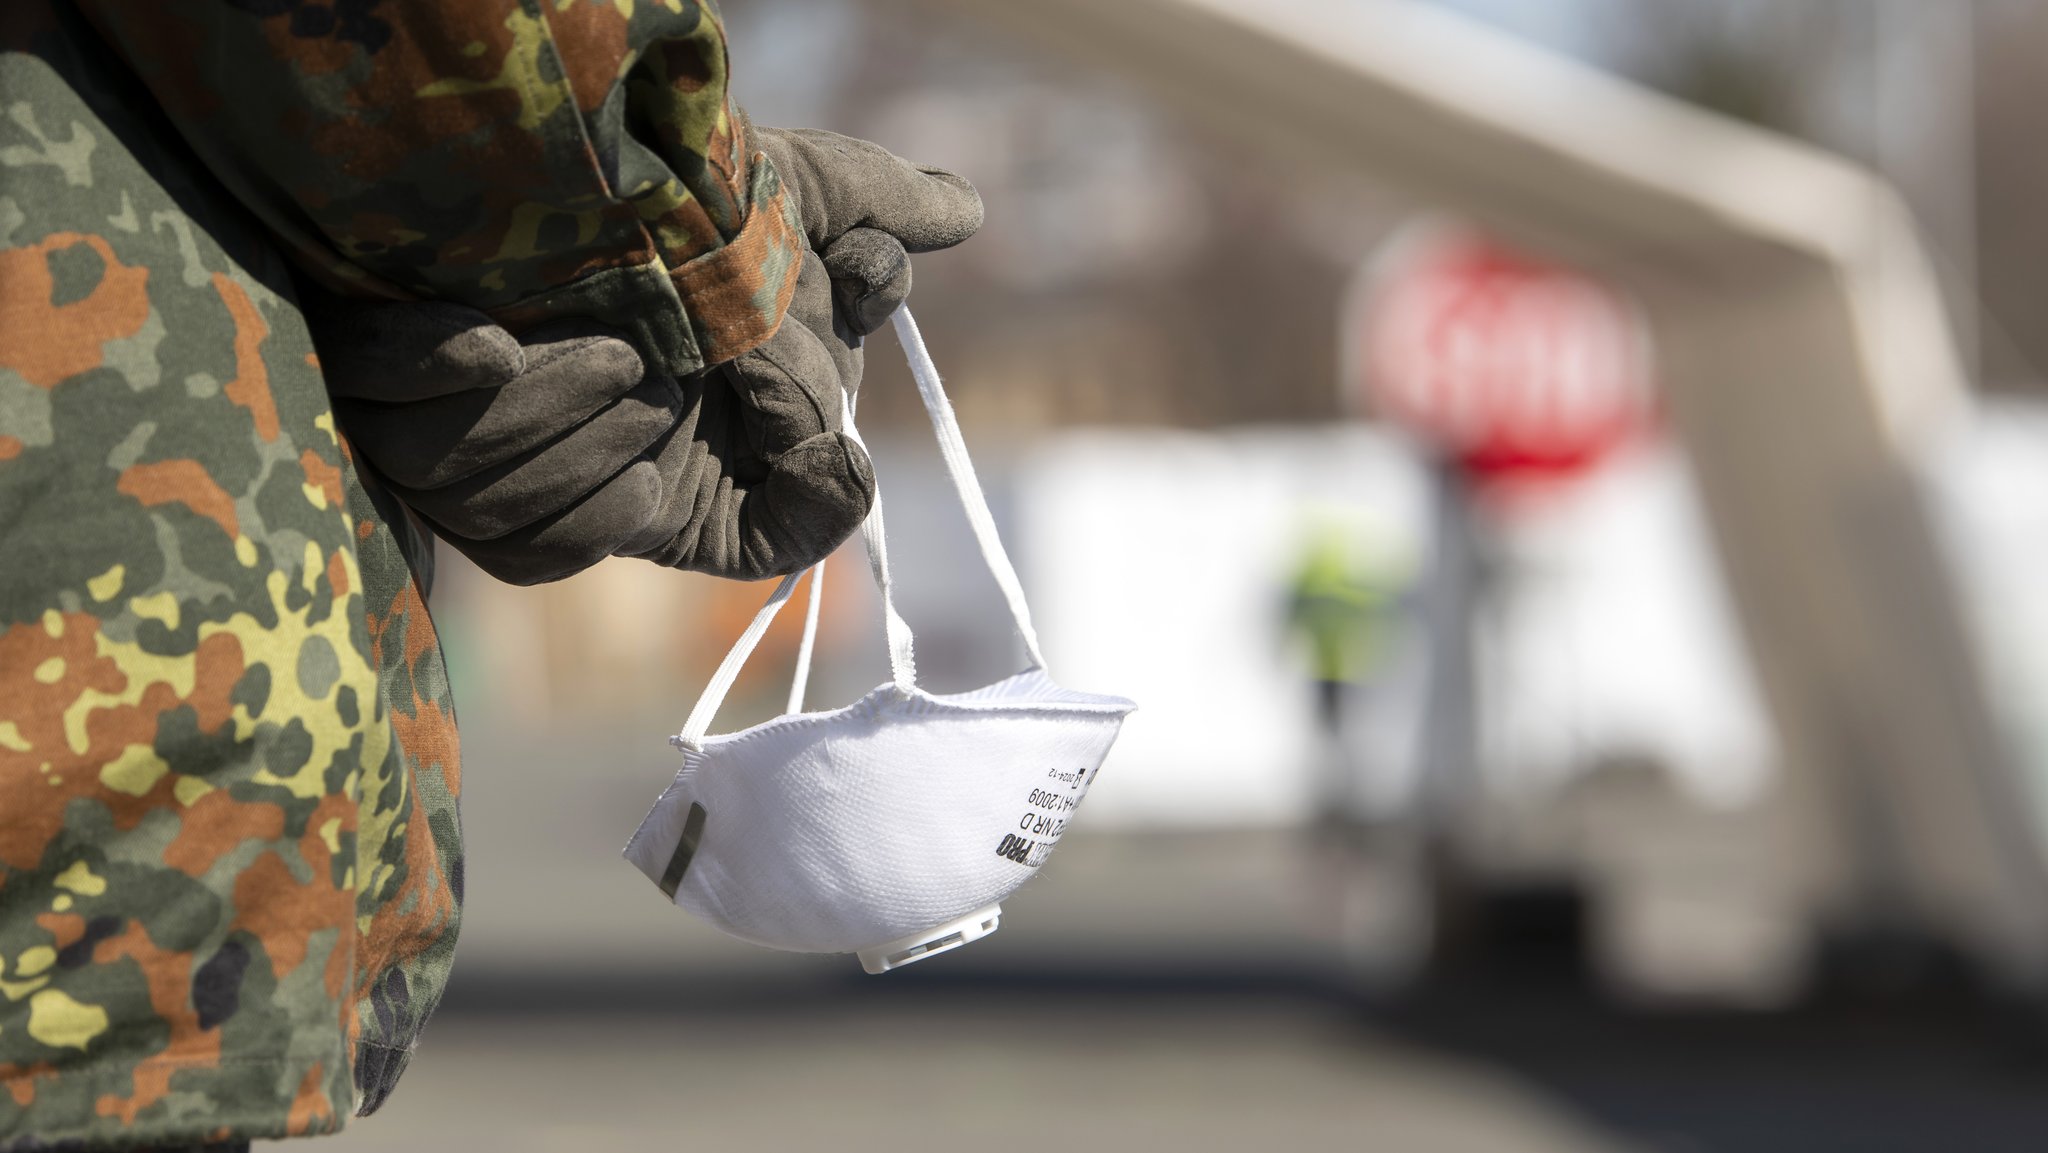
x=930, y=943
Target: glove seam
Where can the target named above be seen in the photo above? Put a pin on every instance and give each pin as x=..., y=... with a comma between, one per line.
x=768, y=356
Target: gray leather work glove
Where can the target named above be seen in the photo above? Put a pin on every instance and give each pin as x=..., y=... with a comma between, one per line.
x=864, y=211
x=539, y=455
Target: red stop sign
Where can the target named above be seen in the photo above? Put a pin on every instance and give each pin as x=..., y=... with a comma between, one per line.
x=1510, y=365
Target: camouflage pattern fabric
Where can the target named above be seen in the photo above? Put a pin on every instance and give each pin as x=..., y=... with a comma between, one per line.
x=531, y=158
x=409, y=893
x=229, y=860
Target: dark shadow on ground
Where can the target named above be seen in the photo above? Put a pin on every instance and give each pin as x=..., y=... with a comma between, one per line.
x=1927, y=1071
x=1930, y=1067
x=1898, y=1049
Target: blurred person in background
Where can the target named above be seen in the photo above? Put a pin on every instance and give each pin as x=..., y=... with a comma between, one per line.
x=566, y=303
x=1342, y=611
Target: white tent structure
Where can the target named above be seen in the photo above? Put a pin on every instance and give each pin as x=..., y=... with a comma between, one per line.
x=1807, y=358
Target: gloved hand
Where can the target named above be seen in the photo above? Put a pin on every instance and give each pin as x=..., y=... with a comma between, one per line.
x=539, y=460
x=863, y=211
x=538, y=457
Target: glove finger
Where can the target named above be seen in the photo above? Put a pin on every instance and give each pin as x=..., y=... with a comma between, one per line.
x=788, y=390
x=841, y=183
x=870, y=273
x=438, y=441
x=815, y=306
x=524, y=490
x=812, y=499
x=403, y=351
x=569, y=541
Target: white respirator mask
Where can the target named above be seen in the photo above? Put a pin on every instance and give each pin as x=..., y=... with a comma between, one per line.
x=894, y=827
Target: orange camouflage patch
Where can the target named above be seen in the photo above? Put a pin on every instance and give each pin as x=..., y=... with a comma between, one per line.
x=21, y=1080
x=337, y=575
x=420, y=636
x=50, y=343
x=309, y=1106
x=169, y=976
x=65, y=929
x=602, y=38
x=429, y=736
x=215, y=823
x=282, y=913
x=251, y=386
x=217, y=667
x=322, y=476
x=41, y=676
x=183, y=482
x=10, y=447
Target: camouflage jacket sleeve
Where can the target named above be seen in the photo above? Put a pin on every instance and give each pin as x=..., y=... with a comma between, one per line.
x=532, y=158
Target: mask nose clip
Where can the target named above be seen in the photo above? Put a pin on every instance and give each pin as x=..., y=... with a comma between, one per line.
x=930, y=943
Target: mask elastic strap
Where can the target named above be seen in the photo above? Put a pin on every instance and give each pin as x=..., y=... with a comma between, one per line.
x=953, y=450
x=802, y=677
x=729, y=669
x=902, y=662
x=902, y=656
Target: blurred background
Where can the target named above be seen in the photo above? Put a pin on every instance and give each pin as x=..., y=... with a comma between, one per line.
x=1565, y=483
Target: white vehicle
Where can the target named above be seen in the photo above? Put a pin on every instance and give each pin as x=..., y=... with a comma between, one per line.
x=1811, y=372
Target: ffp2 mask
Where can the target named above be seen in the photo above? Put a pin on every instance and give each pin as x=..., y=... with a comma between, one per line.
x=894, y=827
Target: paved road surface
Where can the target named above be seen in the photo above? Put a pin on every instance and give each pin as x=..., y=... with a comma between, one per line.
x=1026, y=1070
